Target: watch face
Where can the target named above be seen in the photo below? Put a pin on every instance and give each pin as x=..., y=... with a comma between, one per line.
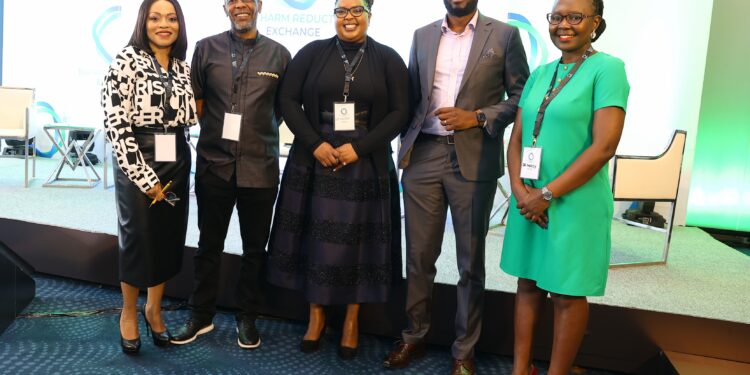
x=546, y=194
x=481, y=118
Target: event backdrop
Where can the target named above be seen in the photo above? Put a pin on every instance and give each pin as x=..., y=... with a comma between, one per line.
x=720, y=189
x=64, y=50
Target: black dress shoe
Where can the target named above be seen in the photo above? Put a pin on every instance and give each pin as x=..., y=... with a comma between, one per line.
x=247, y=334
x=346, y=353
x=160, y=338
x=190, y=331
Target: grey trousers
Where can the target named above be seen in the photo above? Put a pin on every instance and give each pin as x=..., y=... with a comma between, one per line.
x=432, y=182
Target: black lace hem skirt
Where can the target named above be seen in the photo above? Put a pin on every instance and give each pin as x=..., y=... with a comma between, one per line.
x=336, y=235
x=152, y=239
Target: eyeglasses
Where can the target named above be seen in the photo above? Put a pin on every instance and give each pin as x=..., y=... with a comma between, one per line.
x=356, y=11
x=573, y=18
x=171, y=198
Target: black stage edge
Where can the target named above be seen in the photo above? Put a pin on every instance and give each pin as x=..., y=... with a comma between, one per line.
x=17, y=286
x=618, y=339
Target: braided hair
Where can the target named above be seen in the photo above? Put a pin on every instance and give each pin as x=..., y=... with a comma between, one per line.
x=599, y=11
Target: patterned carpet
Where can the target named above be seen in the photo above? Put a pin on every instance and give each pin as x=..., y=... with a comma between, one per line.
x=71, y=328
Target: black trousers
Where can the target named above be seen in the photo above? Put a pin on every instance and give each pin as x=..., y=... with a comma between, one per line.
x=216, y=200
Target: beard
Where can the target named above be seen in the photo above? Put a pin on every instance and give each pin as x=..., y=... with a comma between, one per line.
x=471, y=6
x=243, y=27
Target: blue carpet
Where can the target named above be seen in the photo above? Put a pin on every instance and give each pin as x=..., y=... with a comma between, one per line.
x=48, y=340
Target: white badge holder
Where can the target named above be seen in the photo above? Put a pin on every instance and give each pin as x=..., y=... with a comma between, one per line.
x=531, y=163
x=232, y=124
x=166, y=148
x=343, y=117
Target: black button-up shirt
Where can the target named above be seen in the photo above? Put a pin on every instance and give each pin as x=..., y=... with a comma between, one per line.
x=255, y=158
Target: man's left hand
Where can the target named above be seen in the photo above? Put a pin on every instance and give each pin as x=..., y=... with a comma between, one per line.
x=453, y=118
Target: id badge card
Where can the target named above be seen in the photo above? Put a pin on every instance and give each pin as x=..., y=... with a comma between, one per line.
x=343, y=117
x=531, y=163
x=232, y=124
x=166, y=147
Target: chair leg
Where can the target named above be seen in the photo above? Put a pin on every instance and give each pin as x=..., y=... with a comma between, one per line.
x=33, y=160
x=26, y=162
x=668, y=237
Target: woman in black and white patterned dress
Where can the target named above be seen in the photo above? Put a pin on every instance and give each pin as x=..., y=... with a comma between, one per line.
x=148, y=104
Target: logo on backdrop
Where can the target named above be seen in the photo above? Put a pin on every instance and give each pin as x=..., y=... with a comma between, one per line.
x=100, y=25
x=44, y=108
x=538, y=53
x=300, y=4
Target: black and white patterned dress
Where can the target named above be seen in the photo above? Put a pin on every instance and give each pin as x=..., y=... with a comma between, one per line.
x=151, y=239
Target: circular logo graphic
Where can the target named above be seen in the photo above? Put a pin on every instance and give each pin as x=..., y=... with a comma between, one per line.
x=100, y=25
x=300, y=4
x=44, y=108
x=538, y=48
x=344, y=111
x=531, y=156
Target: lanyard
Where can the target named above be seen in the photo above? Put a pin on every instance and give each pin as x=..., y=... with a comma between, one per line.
x=350, y=68
x=552, y=91
x=237, y=72
x=169, y=112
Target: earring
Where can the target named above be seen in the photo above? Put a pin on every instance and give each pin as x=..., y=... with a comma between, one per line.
x=593, y=35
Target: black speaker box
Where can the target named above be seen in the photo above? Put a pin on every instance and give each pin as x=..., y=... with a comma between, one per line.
x=17, y=286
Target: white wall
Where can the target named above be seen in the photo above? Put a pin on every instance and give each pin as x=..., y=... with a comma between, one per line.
x=50, y=45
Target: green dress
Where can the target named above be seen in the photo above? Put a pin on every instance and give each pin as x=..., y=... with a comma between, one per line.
x=571, y=257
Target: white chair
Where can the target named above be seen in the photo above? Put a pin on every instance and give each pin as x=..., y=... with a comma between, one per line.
x=651, y=178
x=16, y=110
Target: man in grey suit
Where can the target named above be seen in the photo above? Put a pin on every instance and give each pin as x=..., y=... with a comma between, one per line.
x=452, y=154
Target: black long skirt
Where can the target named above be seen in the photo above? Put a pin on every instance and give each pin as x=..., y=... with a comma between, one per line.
x=152, y=239
x=336, y=235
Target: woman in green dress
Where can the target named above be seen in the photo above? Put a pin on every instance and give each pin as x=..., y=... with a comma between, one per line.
x=558, y=237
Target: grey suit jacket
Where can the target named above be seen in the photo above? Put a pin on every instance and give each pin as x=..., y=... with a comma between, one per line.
x=496, y=65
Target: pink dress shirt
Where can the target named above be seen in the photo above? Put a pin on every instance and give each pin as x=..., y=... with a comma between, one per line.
x=452, y=56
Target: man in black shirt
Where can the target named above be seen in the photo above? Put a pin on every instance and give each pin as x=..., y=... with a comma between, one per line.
x=235, y=77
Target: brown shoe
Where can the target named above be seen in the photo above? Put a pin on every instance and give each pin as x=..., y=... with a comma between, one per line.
x=403, y=354
x=463, y=367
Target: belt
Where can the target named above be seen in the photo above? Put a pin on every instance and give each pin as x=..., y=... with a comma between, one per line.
x=442, y=139
x=158, y=129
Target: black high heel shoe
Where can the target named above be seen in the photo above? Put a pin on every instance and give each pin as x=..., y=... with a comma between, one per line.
x=346, y=353
x=311, y=346
x=130, y=347
x=161, y=339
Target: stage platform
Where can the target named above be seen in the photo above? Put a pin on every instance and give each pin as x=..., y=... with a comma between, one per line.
x=697, y=304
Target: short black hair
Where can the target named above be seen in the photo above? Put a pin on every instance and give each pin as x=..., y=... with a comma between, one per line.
x=139, y=39
x=599, y=11
x=368, y=3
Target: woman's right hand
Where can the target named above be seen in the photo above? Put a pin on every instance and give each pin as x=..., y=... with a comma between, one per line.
x=521, y=191
x=326, y=155
x=155, y=192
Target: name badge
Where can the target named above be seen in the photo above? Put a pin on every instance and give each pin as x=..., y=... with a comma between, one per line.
x=343, y=118
x=166, y=147
x=232, y=124
x=531, y=162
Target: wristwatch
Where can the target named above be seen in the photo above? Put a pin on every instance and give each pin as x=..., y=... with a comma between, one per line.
x=481, y=118
x=546, y=194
